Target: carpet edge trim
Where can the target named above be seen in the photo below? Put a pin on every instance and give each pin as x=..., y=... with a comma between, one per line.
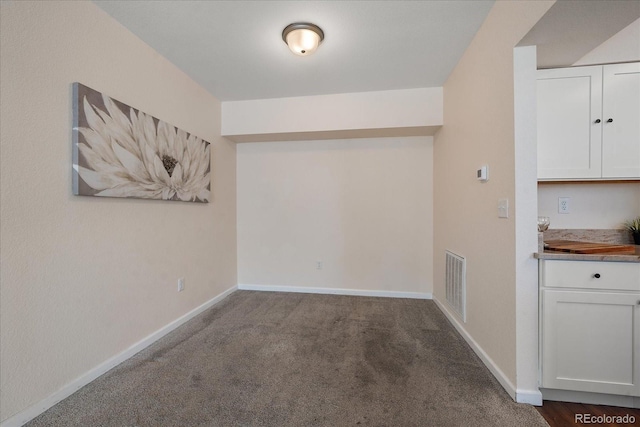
x=532, y=397
x=67, y=390
x=335, y=291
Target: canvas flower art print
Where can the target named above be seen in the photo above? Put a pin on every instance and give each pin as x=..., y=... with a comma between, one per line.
x=119, y=151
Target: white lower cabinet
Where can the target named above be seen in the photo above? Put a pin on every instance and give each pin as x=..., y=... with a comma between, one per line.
x=590, y=335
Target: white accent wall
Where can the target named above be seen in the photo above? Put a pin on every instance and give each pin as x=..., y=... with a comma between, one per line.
x=598, y=205
x=361, y=207
x=82, y=278
x=622, y=47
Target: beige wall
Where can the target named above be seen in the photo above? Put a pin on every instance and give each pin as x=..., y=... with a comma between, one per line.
x=479, y=129
x=390, y=111
x=361, y=206
x=84, y=278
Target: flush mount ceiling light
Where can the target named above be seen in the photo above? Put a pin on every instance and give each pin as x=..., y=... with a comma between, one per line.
x=302, y=38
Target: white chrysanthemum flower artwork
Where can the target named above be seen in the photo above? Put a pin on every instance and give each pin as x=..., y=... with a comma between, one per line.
x=122, y=152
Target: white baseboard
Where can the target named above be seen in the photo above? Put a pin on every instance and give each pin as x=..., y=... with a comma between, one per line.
x=33, y=411
x=336, y=291
x=591, y=398
x=532, y=397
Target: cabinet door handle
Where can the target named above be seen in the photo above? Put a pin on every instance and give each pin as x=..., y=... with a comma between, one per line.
x=597, y=275
x=610, y=121
x=597, y=121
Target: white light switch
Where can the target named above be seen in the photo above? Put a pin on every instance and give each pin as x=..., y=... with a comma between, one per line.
x=503, y=208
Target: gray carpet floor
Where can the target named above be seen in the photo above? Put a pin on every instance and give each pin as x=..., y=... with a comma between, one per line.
x=284, y=359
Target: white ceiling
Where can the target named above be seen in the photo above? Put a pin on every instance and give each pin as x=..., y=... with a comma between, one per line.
x=234, y=49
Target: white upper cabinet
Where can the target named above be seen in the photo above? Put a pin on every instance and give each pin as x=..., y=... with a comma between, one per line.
x=621, y=121
x=569, y=139
x=589, y=122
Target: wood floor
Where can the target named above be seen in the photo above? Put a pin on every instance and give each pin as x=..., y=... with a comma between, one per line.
x=560, y=414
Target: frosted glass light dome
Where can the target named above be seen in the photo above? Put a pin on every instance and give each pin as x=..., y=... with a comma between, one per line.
x=302, y=38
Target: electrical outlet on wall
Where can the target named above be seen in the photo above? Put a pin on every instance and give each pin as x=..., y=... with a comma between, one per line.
x=181, y=284
x=563, y=205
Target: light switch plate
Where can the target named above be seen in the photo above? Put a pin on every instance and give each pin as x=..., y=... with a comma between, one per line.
x=503, y=208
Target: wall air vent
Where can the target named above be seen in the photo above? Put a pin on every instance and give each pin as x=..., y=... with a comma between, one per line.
x=456, y=284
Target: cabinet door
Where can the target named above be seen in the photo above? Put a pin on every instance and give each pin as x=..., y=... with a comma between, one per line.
x=621, y=136
x=590, y=341
x=569, y=139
